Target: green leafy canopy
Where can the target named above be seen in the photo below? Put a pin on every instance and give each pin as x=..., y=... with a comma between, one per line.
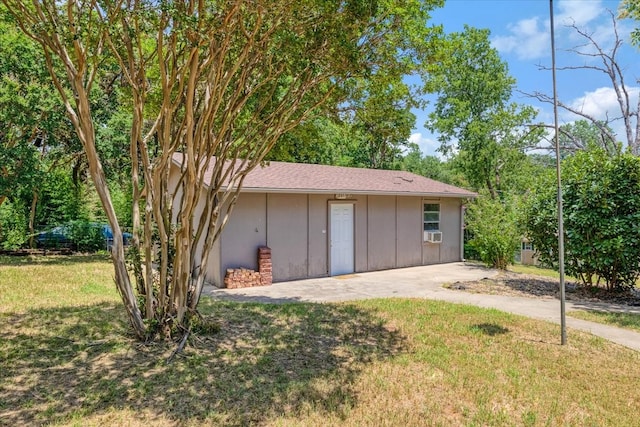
x=601, y=218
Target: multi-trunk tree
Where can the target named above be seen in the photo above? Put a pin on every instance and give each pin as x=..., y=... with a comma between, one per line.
x=217, y=82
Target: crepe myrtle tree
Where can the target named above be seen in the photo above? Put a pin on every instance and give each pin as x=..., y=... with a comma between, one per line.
x=218, y=81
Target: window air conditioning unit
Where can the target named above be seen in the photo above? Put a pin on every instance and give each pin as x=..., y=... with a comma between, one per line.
x=433, y=236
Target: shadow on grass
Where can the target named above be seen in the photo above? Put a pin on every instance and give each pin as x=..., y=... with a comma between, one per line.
x=30, y=260
x=267, y=360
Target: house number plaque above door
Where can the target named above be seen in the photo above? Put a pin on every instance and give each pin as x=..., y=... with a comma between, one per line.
x=342, y=196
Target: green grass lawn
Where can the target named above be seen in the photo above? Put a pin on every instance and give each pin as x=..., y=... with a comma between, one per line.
x=67, y=358
x=620, y=320
x=532, y=269
x=537, y=271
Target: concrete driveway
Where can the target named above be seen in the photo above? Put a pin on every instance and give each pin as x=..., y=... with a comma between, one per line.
x=426, y=282
x=421, y=282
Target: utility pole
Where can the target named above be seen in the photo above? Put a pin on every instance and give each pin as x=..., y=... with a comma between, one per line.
x=563, y=320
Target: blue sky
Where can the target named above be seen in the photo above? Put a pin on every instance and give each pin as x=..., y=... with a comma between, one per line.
x=520, y=32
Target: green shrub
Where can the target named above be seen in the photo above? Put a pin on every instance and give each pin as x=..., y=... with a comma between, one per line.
x=13, y=225
x=601, y=219
x=470, y=252
x=493, y=225
x=86, y=236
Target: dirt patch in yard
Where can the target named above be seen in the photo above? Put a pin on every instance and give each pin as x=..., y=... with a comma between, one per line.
x=527, y=285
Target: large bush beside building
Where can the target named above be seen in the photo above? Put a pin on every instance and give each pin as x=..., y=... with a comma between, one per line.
x=601, y=219
x=493, y=226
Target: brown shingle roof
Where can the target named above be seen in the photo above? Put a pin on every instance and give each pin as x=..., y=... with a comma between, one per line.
x=307, y=178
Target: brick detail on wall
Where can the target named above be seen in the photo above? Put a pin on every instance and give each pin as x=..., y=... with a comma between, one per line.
x=245, y=278
x=264, y=265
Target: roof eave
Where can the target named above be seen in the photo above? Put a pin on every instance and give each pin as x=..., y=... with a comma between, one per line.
x=357, y=192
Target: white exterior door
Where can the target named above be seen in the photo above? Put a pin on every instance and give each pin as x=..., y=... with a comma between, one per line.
x=341, y=244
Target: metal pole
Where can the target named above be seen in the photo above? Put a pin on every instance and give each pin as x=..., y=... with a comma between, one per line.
x=563, y=320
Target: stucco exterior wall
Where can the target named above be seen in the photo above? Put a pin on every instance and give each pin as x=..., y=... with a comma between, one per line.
x=245, y=232
x=408, y=242
x=387, y=234
x=287, y=235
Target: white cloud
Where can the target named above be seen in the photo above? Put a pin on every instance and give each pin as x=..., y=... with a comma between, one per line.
x=427, y=145
x=578, y=12
x=601, y=104
x=528, y=39
x=594, y=19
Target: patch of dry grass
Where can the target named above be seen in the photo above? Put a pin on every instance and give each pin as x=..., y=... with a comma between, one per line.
x=466, y=366
x=51, y=281
x=377, y=362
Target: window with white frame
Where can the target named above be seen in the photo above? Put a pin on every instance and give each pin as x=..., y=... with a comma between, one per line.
x=431, y=217
x=527, y=246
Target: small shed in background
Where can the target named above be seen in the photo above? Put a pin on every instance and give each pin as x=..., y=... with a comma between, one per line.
x=528, y=253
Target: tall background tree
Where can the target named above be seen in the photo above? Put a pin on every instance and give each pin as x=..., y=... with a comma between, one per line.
x=584, y=135
x=370, y=124
x=486, y=135
x=599, y=171
x=630, y=9
x=43, y=176
x=36, y=139
x=473, y=114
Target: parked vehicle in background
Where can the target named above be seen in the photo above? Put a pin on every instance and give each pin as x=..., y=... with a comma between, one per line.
x=79, y=236
x=57, y=237
x=107, y=233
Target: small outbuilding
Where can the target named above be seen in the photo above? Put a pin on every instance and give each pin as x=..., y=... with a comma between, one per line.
x=321, y=220
x=528, y=255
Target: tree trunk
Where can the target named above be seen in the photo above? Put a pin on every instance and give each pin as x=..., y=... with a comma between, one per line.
x=32, y=217
x=492, y=190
